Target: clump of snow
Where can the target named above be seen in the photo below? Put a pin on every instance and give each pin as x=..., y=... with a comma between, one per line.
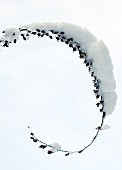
x=110, y=101
x=11, y=34
x=55, y=147
x=104, y=127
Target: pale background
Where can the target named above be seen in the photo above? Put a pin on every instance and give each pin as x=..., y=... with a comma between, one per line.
x=44, y=85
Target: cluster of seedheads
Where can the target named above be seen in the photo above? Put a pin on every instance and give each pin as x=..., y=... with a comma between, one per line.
x=60, y=37
x=25, y=33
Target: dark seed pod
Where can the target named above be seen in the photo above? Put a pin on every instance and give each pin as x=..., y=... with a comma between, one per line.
x=84, y=53
x=62, y=40
x=57, y=38
x=38, y=30
x=62, y=32
x=46, y=34
x=67, y=42
x=74, y=49
x=71, y=39
x=78, y=46
x=49, y=152
x=32, y=138
x=52, y=31
x=42, y=146
x=102, y=102
x=81, y=56
x=15, y=41
x=101, y=110
x=66, y=154
x=87, y=64
x=70, y=45
x=43, y=31
x=42, y=35
x=80, y=52
x=92, y=74
x=6, y=44
x=97, y=96
x=64, y=37
x=23, y=29
x=32, y=133
x=95, y=91
x=24, y=38
x=39, y=34
x=50, y=37
x=55, y=32
x=35, y=140
x=34, y=33
x=98, y=104
x=29, y=31
x=97, y=87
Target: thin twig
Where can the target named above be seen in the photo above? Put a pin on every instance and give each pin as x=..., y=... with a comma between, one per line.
x=67, y=152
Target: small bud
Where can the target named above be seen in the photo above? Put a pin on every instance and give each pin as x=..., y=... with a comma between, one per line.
x=42, y=146
x=39, y=34
x=32, y=138
x=35, y=140
x=49, y=152
x=43, y=31
x=33, y=32
x=67, y=42
x=32, y=133
x=74, y=49
x=14, y=40
x=70, y=45
x=46, y=34
x=57, y=38
x=50, y=37
x=66, y=154
x=62, y=32
x=38, y=30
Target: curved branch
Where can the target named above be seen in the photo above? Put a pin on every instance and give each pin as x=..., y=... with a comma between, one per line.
x=69, y=37
x=67, y=152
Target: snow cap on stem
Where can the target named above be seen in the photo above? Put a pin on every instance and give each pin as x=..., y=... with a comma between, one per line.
x=104, y=127
x=55, y=147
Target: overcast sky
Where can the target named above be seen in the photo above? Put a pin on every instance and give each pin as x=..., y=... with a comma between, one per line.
x=44, y=85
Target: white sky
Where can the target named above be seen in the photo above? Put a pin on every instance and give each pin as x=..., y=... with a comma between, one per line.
x=45, y=86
